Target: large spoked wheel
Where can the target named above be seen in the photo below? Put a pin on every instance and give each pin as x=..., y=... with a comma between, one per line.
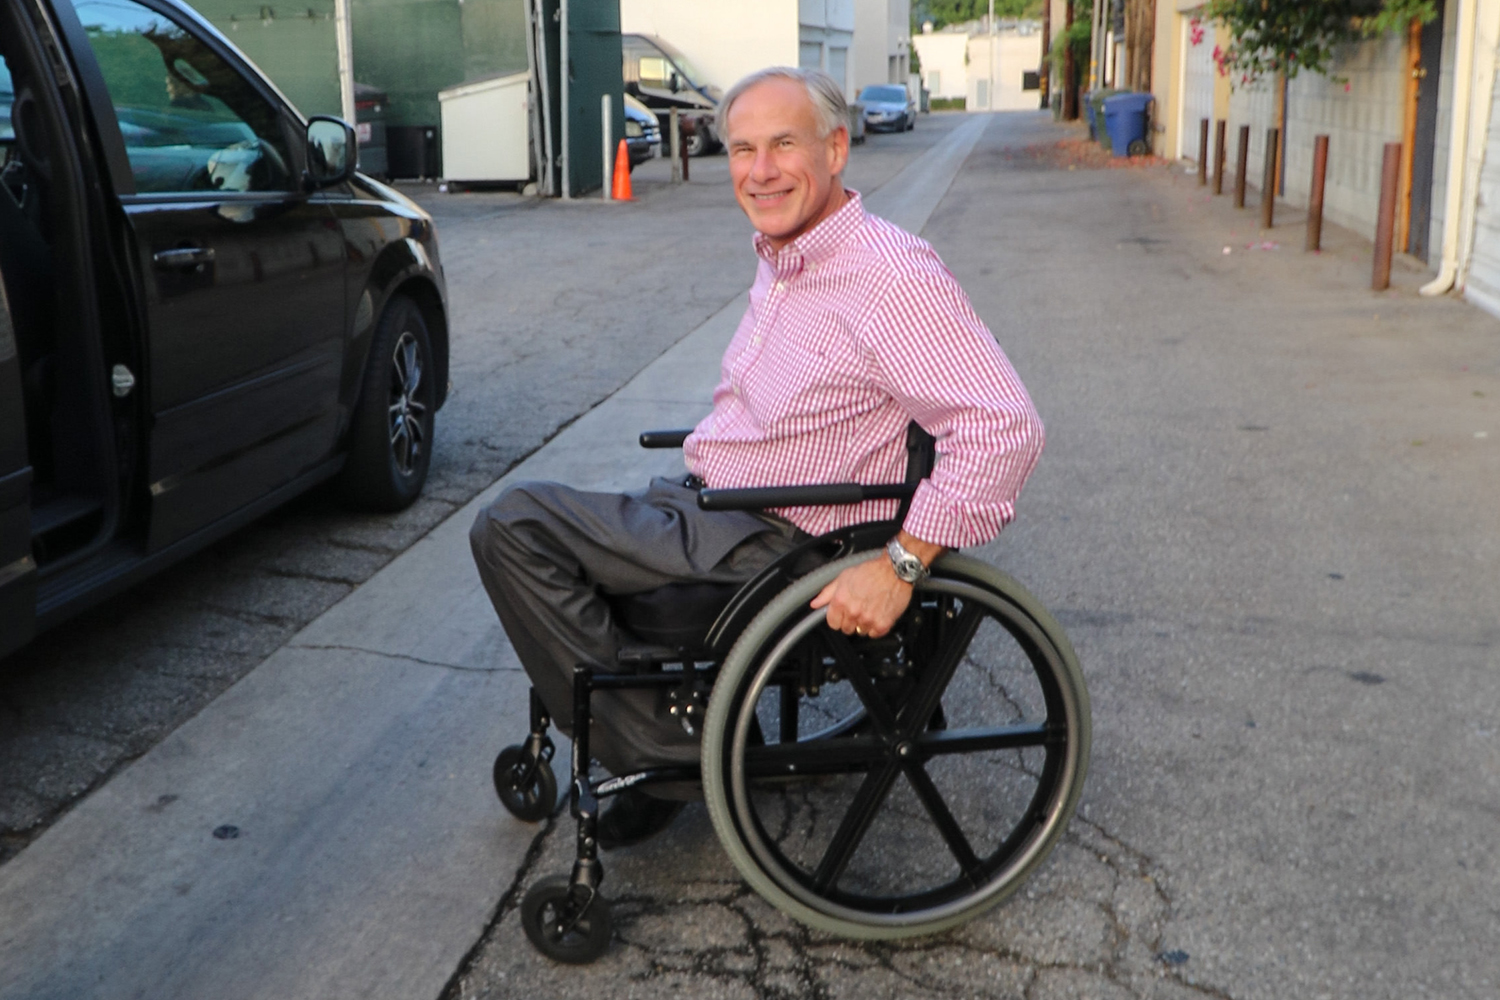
x=526, y=787
x=391, y=438
x=934, y=768
x=566, y=922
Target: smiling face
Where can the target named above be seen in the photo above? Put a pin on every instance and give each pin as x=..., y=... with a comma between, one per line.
x=786, y=176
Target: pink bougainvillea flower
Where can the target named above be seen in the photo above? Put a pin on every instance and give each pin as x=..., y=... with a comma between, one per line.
x=1347, y=86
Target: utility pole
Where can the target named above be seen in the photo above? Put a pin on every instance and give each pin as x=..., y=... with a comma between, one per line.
x=1045, y=77
x=989, y=44
x=344, y=37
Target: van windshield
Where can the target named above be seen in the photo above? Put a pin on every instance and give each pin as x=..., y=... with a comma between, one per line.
x=885, y=95
x=685, y=65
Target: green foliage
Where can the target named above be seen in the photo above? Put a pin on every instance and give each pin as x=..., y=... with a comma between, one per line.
x=1288, y=36
x=1075, y=38
x=942, y=12
x=1395, y=15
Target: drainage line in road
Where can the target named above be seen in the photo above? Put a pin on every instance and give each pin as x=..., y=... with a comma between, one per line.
x=452, y=990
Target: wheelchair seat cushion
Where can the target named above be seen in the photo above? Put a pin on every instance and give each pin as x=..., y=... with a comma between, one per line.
x=678, y=615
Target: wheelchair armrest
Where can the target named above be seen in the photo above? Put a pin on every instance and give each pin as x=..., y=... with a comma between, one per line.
x=663, y=439
x=824, y=495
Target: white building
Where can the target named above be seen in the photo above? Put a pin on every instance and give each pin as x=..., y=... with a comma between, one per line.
x=985, y=70
x=944, y=56
x=996, y=64
x=728, y=40
x=882, y=41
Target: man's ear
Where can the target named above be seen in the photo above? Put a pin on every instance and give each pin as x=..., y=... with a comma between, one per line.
x=838, y=150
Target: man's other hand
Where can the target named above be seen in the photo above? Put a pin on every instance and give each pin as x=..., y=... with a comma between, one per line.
x=868, y=598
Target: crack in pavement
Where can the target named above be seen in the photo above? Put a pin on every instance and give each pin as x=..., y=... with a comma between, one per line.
x=402, y=656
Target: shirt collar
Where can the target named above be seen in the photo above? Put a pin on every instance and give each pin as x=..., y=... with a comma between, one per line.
x=817, y=244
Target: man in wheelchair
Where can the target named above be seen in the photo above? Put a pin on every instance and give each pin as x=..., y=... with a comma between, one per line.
x=854, y=330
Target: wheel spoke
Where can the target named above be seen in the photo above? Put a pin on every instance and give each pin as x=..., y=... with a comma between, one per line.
x=1030, y=734
x=412, y=366
x=830, y=756
x=856, y=823
x=880, y=713
x=932, y=799
x=935, y=676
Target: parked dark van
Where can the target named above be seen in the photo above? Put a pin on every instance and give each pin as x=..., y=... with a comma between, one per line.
x=204, y=309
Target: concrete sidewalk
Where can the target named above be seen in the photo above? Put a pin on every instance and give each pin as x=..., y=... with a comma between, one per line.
x=326, y=828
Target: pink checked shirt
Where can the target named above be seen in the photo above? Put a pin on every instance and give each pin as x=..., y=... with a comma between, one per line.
x=854, y=329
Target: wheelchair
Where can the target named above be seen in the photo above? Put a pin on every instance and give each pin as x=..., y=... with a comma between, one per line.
x=868, y=787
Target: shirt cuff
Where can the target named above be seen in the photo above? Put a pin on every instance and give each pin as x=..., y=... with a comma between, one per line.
x=952, y=523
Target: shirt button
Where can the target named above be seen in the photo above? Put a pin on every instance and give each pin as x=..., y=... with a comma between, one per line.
x=755, y=340
x=780, y=285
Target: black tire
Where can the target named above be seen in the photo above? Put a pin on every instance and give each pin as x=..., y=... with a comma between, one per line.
x=699, y=144
x=527, y=791
x=993, y=774
x=1137, y=147
x=567, y=923
x=390, y=440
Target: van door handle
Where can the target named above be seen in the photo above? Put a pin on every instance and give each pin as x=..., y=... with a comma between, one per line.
x=183, y=257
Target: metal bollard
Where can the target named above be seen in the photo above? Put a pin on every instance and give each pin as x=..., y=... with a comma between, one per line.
x=1219, y=128
x=674, y=145
x=1268, y=181
x=1315, y=195
x=1242, y=166
x=688, y=128
x=1385, y=224
x=605, y=119
x=1202, y=152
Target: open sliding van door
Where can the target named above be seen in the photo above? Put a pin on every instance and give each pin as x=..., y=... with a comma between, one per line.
x=17, y=567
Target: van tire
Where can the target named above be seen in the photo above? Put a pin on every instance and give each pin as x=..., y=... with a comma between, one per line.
x=391, y=436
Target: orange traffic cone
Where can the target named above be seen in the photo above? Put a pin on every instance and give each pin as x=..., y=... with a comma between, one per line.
x=621, y=189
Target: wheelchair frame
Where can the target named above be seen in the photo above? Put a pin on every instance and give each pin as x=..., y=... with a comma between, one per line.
x=564, y=916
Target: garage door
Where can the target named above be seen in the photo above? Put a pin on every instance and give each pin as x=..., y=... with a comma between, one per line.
x=1198, y=77
x=1483, y=284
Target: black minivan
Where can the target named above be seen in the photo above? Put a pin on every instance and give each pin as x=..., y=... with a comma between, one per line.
x=204, y=309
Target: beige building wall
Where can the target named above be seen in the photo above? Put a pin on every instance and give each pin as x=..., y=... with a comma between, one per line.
x=725, y=40
x=1013, y=53
x=943, y=54
x=882, y=42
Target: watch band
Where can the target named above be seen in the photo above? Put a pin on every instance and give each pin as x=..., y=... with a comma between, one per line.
x=907, y=566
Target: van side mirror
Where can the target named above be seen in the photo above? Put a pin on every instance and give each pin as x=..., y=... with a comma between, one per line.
x=676, y=83
x=332, y=151
x=633, y=88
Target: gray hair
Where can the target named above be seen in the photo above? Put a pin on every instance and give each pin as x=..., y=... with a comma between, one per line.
x=826, y=95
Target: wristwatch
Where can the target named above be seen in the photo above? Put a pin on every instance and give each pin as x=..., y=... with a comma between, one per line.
x=907, y=566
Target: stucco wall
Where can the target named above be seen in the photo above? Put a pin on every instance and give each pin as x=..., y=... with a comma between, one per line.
x=880, y=32
x=1013, y=53
x=725, y=40
x=1359, y=115
x=943, y=52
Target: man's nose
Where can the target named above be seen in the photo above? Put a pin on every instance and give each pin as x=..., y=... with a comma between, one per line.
x=764, y=168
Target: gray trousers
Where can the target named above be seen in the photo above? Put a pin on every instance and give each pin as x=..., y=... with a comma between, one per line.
x=547, y=553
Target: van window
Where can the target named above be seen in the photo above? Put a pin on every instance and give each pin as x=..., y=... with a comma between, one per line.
x=655, y=72
x=190, y=121
x=7, y=98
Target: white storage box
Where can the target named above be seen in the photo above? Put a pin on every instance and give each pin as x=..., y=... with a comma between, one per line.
x=485, y=128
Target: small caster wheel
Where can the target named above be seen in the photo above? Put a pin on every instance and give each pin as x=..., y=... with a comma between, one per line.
x=1137, y=147
x=527, y=789
x=566, y=922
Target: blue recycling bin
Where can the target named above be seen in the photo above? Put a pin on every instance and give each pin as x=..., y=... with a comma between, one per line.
x=1125, y=118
